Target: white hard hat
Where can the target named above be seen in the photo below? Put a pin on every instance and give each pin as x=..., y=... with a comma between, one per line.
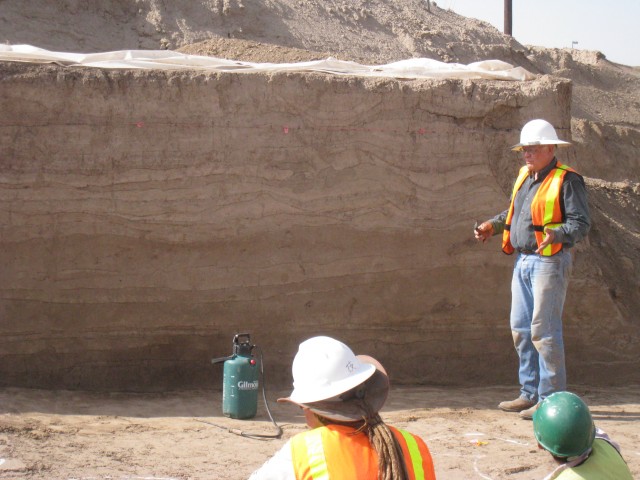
x=325, y=367
x=538, y=132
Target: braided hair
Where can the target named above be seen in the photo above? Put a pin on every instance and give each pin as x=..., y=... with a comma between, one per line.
x=391, y=465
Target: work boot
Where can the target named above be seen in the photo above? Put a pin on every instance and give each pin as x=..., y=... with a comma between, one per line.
x=517, y=405
x=528, y=413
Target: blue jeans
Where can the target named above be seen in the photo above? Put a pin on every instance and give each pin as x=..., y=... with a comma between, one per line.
x=538, y=290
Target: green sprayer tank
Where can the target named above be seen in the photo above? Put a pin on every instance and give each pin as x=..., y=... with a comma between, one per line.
x=240, y=379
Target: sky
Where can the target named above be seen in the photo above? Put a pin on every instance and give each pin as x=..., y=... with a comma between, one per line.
x=609, y=26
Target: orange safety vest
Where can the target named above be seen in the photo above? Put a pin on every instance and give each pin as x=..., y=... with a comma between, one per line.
x=335, y=452
x=545, y=208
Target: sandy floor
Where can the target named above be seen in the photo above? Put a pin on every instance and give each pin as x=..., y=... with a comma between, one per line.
x=78, y=435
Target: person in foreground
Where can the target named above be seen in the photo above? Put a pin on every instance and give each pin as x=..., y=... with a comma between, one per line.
x=547, y=216
x=341, y=395
x=563, y=426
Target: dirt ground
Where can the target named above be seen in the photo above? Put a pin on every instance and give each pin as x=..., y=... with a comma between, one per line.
x=182, y=435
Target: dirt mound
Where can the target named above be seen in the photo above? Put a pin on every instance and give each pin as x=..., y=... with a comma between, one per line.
x=369, y=31
x=248, y=51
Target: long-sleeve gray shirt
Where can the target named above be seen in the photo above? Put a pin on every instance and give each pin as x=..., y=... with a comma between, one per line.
x=573, y=203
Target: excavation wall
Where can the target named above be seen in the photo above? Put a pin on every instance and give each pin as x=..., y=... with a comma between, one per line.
x=148, y=216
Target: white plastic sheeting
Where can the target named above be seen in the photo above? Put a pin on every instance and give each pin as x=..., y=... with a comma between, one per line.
x=169, y=60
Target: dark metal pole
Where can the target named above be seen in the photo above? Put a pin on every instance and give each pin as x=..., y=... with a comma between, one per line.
x=508, y=17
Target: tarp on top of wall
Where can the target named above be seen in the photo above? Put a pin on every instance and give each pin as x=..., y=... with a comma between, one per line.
x=166, y=59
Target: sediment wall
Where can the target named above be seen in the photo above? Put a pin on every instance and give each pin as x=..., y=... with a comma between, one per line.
x=148, y=216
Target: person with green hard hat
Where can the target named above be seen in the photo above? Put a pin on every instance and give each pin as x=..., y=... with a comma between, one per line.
x=563, y=426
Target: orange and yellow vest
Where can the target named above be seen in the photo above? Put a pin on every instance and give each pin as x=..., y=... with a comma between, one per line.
x=545, y=208
x=335, y=452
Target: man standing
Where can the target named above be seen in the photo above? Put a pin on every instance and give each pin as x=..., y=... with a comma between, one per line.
x=547, y=216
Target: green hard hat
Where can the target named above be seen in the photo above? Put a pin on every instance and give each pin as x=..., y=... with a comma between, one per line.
x=563, y=425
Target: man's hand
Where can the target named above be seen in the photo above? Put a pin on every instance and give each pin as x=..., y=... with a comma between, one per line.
x=549, y=236
x=483, y=231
